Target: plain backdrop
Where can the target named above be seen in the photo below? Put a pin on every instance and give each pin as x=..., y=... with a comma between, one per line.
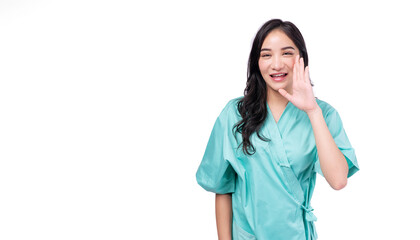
x=106, y=108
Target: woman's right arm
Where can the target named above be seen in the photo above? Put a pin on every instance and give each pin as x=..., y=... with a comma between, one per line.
x=224, y=216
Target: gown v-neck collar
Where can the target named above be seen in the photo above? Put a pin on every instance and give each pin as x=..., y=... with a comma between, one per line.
x=282, y=114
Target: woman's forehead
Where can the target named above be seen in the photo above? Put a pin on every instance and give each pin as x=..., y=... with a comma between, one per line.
x=277, y=39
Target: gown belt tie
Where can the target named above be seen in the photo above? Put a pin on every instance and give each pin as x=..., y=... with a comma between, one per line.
x=310, y=218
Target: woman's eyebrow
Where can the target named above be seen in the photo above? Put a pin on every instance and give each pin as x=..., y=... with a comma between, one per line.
x=284, y=48
x=288, y=47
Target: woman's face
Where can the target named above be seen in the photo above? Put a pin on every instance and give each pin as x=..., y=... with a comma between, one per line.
x=277, y=58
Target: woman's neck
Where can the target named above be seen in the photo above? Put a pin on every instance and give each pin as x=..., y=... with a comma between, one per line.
x=276, y=100
x=277, y=103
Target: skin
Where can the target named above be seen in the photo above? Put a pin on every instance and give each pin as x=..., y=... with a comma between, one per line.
x=280, y=55
x=224, y=216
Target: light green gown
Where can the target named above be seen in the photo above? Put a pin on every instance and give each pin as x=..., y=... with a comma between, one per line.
x=271, y=190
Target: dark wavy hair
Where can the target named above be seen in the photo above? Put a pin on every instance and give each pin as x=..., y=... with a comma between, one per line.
x=252, y=107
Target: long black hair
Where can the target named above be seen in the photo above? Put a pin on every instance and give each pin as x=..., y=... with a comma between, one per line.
x=252, y=106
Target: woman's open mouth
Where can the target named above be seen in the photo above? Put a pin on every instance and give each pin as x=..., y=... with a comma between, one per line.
x=278, y=77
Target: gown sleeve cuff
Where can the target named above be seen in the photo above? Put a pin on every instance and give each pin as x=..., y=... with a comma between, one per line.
x=350, y=158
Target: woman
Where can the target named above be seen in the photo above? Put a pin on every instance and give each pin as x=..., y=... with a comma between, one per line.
x=267, y=146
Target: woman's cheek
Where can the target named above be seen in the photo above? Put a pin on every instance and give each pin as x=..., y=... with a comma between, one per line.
x=290, y=63
x=263, y=65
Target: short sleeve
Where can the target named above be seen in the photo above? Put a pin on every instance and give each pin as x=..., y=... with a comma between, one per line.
x=337, y=131
x=215, y=173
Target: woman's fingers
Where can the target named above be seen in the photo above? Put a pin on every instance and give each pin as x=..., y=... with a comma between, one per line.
x=307, y=75
x=299, y=70
x=302, y=70
x=295, y=70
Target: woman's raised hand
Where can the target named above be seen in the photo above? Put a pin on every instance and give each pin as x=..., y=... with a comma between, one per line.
x=302, y=95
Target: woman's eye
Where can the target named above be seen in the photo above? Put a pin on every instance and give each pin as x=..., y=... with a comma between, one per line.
x=265, y=55
x=288, y=53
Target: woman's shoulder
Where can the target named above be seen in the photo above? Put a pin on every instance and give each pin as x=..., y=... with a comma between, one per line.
x=325, y=107
x=231, y=108
x=232, y=105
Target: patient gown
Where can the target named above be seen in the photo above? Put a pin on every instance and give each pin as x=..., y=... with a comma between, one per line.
x=271, y=189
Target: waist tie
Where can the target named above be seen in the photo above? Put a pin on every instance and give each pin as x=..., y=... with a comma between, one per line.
x=310, y=218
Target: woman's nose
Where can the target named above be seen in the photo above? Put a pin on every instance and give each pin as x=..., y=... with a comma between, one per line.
x=277, y=63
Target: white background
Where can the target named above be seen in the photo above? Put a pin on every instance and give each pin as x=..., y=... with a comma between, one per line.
x=106, y=108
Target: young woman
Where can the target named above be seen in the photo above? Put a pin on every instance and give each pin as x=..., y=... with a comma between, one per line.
x=267, y=146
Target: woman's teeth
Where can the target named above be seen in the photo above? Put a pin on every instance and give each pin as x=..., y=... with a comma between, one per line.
x=279, y=75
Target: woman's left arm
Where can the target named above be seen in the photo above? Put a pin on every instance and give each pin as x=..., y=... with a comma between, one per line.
x=333, y=163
